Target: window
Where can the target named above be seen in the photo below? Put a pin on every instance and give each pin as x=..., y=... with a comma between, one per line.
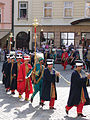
x=67, y=39
x=85, y=37
x=87, y=9
x=48, y=9
x=0, y=15
x=68, y=9
x=23, y=9
x=48, y=38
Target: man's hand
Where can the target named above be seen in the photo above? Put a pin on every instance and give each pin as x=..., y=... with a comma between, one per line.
x=88, y=76
x=14, y=75
x=57, y=73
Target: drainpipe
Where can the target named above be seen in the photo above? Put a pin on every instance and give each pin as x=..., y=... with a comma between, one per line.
x=12, y=30
x=12, y=16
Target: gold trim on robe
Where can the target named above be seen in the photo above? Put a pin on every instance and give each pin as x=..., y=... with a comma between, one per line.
x=27, y=80
x=52, y=90
x=82, y=93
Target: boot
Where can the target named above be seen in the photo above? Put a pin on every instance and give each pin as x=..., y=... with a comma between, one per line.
x=31, y=100
x=81, y=115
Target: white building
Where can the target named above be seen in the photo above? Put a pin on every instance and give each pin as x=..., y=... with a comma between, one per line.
x=63, y=21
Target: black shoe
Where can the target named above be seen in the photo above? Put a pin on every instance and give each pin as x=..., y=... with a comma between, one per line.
x=81, y=115
x=42, y=104
x=31, y=100
x=7, y=91
x=13, y=93
x=52, y=108
x=66, y=111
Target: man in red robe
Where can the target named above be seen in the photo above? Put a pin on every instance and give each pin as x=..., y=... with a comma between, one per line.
x=64, y=58
x=24, y=85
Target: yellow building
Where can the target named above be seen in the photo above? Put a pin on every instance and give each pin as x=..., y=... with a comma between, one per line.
x=60, y=21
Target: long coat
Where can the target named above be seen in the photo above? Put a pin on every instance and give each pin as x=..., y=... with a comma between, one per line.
x=75, y=89
x=8, y=73
x=15, y=69
x=3, y=71
x=10, y=83
x=21, y=81
x=48, y=78
x=64, y=56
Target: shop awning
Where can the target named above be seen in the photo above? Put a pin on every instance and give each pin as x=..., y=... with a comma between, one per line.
x=3, y=34
x=80, y=20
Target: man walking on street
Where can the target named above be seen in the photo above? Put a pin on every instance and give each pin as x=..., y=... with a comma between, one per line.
x=48, y=86
x=77, y=94
x=38, y=78
x=23, y=84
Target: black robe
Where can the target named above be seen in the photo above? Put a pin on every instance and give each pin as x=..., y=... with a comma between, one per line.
x=48, y=78
x=7, y=76
x=3, y=70
x=75, y=89
x=15, y=71
x=10, y=83
x=14, y=81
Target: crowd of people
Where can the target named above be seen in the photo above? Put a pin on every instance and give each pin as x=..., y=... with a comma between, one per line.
x=22, y=73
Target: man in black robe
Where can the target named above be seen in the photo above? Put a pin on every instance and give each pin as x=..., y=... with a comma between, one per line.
x=4, y=68
x=77, y=93
x=48, y=86
x=10, y=83
x=16, y=68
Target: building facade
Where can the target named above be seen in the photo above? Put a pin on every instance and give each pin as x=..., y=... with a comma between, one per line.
x=5, y=21
x=62, y=22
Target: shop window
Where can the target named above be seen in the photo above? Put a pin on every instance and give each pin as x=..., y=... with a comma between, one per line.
x=68, y=9
x=48, y=38
x=47, y=10
x=67, y=39
x=87, y=10
x=23, y=10
x=85, y=39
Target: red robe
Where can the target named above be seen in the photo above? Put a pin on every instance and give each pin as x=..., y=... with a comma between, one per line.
x=22, y=85
x=65, y=56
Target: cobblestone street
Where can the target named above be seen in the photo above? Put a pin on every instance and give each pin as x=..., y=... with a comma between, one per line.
x=12, y=109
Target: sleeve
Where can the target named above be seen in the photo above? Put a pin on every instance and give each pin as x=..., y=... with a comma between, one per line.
x=62, y=56
x=30, y=67
x=76, y=79
x=67, y=55
x=49, y=77
x=3, y=67
x=20, y=74
x=14, y=68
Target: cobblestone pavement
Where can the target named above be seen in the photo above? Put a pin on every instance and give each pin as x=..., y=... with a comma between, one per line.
x=12, y=109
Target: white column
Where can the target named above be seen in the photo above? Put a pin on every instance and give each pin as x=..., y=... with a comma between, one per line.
x=30, y=43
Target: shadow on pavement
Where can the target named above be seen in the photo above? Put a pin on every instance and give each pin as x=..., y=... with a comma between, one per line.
x=74, y=118
x=24, y=113
x=7, y=102
x=40, y=113
x=36, y=111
